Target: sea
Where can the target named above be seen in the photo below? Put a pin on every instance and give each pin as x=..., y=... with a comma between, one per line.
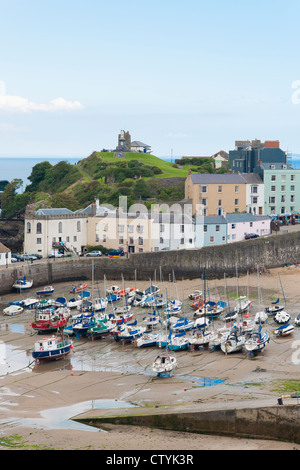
x=21, y=167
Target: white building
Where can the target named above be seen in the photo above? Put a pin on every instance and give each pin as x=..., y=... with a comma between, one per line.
x=56, y=230
x=5, y=255
x=172, y=232
x=255, y=193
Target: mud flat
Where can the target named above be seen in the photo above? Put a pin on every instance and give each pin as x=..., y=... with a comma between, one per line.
x=103, y=378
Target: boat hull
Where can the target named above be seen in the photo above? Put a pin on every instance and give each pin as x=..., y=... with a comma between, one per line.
x=46, y=356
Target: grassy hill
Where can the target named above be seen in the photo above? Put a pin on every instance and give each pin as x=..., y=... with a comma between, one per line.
x=92, y=164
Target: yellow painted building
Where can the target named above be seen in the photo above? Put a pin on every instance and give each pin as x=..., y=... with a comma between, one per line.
x=215, y=194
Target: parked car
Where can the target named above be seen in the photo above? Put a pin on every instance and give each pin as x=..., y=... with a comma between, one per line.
x=94, y=253
x=55, y=254
x=251, y=235
x=30, y=257
x=115, y=253
x=13, y=259
x=37, y=256
x=17, y=257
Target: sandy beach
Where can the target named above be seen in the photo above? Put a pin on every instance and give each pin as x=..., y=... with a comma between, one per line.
x=103, y=377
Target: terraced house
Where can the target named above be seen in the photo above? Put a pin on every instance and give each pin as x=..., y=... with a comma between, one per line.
x=215, y=194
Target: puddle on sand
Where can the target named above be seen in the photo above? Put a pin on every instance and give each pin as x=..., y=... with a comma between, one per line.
x=61, y=418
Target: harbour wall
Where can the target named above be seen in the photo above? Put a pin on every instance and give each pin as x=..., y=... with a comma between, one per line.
x=277, y=423
x=269, y=252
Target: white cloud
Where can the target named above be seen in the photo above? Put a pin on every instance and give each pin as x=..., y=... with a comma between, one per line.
x=18, y=104
x=23, y=105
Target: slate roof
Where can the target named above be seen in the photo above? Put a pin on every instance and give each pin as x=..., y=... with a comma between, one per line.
x=54, y=211
x=225, y=178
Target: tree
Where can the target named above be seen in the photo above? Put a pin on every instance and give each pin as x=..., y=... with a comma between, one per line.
x=11, y=201
x=38, y=174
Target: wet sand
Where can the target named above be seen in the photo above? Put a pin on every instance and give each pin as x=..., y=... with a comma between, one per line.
x=37, y=401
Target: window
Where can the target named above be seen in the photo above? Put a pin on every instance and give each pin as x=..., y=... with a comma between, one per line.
x=203, y=188
x=236, y=189
x=67, y=239
x=283, y=178
x=140, y=229
x=204, y=228
x=75, y=239
x=233, y=226
x=38, y=227
x=251, y=224
x=204, y=211
x=282, y=210
x=121, y=228
x=130, y=228
x=97, y=237
x=190, y=241
x=60, y=227
x=78, y=226
x=219, y=202
x=273, y=178
x=282, y=198
x=292, y=188
x=236, y=202
x=141, y=241
x=203, y=201
x=217, y=228
x=182, y=229
x=39, y=241
x=219, y=189
x=223, y=238
x=254, y=200
x=211, y=239
x=273, y=188
x=161, y=240
x=282, y=188
x=28, y=227
x=254, y=189
x=234, y=237
x=161, y=228
x=292, y=198
x=104, y=238
x=182, y=241
x=131, y=242
x=121, y=240
x=292, y=177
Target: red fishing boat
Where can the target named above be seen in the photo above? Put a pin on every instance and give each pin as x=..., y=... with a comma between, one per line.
x=47, y=320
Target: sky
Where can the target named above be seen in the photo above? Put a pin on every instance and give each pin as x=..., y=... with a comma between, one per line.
x=187, y=78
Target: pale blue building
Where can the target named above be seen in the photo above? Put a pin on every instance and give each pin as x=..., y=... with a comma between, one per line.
x=210, y=231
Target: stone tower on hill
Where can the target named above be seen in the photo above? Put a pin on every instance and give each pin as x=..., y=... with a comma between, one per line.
x=124, y=142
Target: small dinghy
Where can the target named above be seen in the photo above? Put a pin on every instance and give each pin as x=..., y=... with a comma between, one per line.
x=257, y=341
x=74, y=303
x=233, y=342
x=13, y=310
x=51, y=349
x=284, y=330
x=78, y=289
x=22, y=284
x=260, y=317
x=48, y=290
x=274, y=308
x=146, y=340
x=200, y=337
x=197, y=294
x=297, y=320
x=282, y=318
x=164, y=364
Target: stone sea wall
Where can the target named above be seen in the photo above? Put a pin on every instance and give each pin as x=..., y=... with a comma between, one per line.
x=269, y=252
